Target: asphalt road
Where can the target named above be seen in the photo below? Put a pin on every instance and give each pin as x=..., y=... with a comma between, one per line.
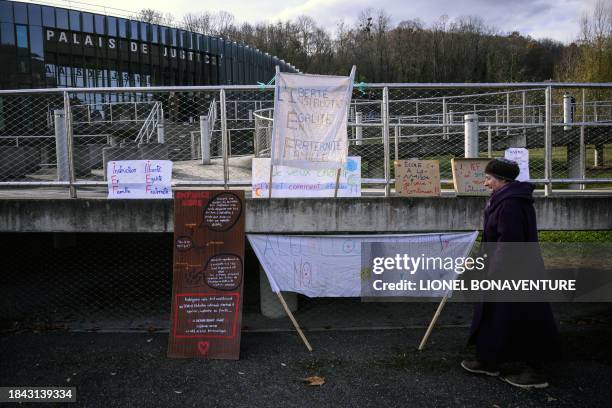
x=376, y=368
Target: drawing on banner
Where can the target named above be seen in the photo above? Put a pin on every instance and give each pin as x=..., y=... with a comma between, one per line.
x=294, y=182
x=521, y=156
x=133, y=179
x=310, y=119
x=330, y=266
x=417, y=178
x=469, y=176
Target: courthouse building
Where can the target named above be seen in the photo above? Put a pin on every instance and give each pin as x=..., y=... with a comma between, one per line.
x=43, y=46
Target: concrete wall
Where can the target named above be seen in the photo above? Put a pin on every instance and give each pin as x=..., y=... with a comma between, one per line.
x=344, y=215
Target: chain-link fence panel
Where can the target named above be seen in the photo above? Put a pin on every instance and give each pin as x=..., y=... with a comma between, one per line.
x=126, y=125
x=190, y=126
x=32, y=128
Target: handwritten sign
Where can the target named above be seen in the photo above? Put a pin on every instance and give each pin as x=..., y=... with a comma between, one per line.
x=131, y=179
x=310, y=117
x=208, y=274
x=417, y=178
x=521, y=156
x=293, y=182
x=469, y=176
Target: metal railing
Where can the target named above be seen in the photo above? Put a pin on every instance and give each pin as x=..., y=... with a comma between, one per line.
x=567, y=129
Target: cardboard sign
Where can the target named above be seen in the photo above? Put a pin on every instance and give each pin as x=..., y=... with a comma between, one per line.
x=521, y=156
x=417, y=178
x=469, y=176
x=208, y=274
x=293, y=182
x=136, y=179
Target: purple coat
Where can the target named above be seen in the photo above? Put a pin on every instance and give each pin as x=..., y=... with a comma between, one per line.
x=512, y=331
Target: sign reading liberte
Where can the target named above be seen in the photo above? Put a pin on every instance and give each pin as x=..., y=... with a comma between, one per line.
x=310, y=115
x=111, y=43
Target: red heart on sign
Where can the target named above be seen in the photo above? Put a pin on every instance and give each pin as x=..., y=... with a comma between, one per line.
x=203, y=347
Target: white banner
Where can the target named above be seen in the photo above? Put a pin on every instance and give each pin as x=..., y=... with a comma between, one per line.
x=139, y=179
x=294, y=182
x=521, y=156
x=330, y=266
x=310, y=117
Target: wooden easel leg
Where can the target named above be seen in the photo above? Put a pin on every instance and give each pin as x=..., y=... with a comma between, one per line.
x=433, y=323
x=337, y=182
x=295, y=323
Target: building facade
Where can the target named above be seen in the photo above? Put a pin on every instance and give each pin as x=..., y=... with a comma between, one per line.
x=46, y=47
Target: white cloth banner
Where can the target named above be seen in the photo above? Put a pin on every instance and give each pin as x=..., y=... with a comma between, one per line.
x=521, y=156
x=293, y=182
x=310, y=117
x=139, y=179
x=330, y=266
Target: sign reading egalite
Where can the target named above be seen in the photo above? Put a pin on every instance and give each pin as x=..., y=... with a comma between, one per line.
x=469, y=176
x=208, y=274
x=417, y=178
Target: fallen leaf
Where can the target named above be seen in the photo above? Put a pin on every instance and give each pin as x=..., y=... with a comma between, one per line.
x=178, y=392
x=284, y=365
x=550, y=399
x=149, y=340
x=113, y=373
x=315, y=380
x=68, y=379
x=496, y=406
x=240, y=372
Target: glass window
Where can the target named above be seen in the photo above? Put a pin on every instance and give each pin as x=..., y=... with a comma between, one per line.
x=122, y=27
x=7, y=32
x=36, y=41
x=99, y=20
x=154, y=32
x=48, y=16
x=134, y=30
x=6, y=12
x=182, y=39
x=173, y=37
x=88, y=22
x=34, y=12
x=62, y=18
x=21, y=13
x=75, y=20
x=22, y=36
x=164, y=35
x=112, y=26
x=144, y=31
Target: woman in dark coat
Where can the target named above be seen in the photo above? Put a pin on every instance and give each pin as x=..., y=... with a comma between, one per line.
x=509, y=332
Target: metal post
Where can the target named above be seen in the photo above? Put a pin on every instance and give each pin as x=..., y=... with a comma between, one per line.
x=496, y=123
x=567, y=111
x=396, y=130
x=205, y=139
x=69, y=138
x=250, y=115
x=358, y=129
x=548, y=141
x=524, y=114
x=471, y=135
x=224, y=138
x=236, y=110
x=417, y=112
x=444, y=119
x=61, y=146
x=508, y=113
x=489, y=144
x=385, y=118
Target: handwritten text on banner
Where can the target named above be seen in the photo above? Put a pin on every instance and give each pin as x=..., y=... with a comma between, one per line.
x=129, y=179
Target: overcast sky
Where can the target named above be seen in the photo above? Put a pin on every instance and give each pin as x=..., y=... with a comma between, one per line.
x=557, y=19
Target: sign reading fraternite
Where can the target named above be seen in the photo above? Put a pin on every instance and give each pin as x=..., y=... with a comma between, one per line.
x=310, y=115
